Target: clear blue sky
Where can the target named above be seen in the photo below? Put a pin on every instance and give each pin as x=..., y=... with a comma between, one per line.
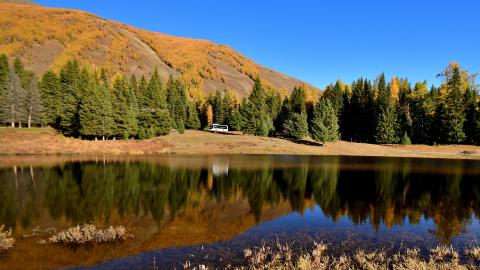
x=318, y=41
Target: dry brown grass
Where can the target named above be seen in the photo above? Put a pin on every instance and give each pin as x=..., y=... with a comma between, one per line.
x=282, y=257
x=47, y=141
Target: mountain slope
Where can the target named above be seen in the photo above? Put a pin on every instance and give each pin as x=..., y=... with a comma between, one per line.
x=48, y=37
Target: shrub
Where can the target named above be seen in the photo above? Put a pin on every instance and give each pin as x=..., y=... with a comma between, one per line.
x=405, y=139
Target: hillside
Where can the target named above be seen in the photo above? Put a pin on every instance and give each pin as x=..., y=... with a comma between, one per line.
x=48, y=37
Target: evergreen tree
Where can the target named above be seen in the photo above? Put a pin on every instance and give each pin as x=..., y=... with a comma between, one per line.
x=177, y=101
x=4, y=89
x=92, y=111
x=274, y=104
x=124, y=109
x=422, y=111
x=387, y=126
x=235, y=121
x=324, y=124
x=4, y=70
x=335, y=94
x=12, y=101
x=153, y=115
x=70, y=98
x=405, y=139
x=295, y=124
x=192, y=119
x=255, y=118
x=471, y=111
x=454, y=109
x=50, y=93
x=33, y=103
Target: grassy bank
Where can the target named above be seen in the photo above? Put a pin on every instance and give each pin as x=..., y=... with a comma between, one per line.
x=46, y=141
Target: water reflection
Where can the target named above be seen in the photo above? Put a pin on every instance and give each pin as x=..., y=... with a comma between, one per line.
x=380, y=191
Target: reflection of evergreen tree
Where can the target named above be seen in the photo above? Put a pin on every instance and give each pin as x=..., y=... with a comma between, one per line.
x=383, y=192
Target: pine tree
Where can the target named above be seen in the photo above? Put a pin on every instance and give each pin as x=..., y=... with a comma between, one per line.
x=92, y=111
x=33, y=104
x=70, y=98
x=4, y=89
x=124, y=109
x=295, y=125
x=49, y=87
x=153, y=115
x=324, y=124
x=387, y=126
x=422, y=111
x=192, y=119
x=177, y=101
x=255, y=118
x=454, y=117
x=235, y=121
x=4, y=69
x=471, y=110
x=12, y=101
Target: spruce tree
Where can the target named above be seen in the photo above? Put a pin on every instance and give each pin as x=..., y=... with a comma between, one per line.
x=153, y=115
x=4, y=69
x=49, y=87
x=324, y=124
x=295, y=125
x=176, y=101
x=4, y=88
x=124, y=109
x=70, y=98
x=92, y=110
x=12, y=101
x=454, y=117
x=255, y=118
x=387, y=126
x=471, y=110
x=33, y=103
x=192, y=119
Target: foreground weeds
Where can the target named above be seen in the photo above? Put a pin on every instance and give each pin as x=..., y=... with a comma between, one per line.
x=282, y=257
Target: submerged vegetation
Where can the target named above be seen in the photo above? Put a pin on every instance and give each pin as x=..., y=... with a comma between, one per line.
x=87, y=233
x=6, y=239
x=283, y=257
x=86, y=103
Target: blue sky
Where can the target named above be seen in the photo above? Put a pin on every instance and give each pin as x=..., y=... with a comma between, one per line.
x=318, y=41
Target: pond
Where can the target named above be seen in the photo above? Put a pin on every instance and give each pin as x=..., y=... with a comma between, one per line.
x=208, y=209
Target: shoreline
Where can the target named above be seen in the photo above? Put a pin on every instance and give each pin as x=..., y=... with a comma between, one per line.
x=45, y=142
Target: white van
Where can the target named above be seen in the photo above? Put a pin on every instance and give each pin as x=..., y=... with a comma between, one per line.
x=218, y=128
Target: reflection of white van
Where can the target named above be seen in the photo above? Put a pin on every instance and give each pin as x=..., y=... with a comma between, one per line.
x=218, y=128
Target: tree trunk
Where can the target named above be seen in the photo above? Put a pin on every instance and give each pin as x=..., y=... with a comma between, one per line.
x=13, y=116
x=29, y=120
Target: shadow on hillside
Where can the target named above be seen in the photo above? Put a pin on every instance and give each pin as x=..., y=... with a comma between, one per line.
x=304, y=142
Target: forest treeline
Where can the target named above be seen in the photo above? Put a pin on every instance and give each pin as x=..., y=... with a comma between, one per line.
x=86, y=103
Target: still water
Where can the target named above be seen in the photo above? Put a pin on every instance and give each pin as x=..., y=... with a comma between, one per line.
x=209, y=208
